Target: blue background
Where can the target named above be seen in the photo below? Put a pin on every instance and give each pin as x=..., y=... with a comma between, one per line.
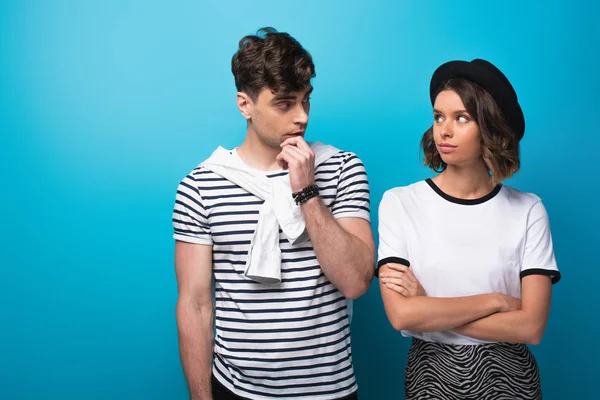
x=106, y=105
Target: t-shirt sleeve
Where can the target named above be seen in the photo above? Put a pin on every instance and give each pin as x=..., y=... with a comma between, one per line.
x=190, y=222
x=538, y=254
x=393, y=246
x=352, y=197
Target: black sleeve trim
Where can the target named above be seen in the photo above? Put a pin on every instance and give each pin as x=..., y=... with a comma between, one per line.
x=395, y=260
x=555, y=275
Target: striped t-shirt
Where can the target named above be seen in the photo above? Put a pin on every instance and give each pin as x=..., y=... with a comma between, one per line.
x=290, y=339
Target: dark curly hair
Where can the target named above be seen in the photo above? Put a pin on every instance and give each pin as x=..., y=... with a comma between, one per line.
x=499, y=144
x=273, y=60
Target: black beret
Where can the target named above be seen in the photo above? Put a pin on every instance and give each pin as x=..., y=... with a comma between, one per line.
x=486, y=75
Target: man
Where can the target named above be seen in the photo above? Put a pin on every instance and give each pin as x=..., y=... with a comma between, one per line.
x=283, y=264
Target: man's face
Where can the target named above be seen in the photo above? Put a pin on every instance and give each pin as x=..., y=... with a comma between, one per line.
x=277, y=117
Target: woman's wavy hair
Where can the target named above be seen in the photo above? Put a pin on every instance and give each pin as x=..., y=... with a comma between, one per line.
x=499, y=144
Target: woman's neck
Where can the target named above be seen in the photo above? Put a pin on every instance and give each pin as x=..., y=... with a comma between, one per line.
x=465, y=182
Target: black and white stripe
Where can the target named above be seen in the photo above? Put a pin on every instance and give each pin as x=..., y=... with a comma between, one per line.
x=282, y=340
x=495, y=371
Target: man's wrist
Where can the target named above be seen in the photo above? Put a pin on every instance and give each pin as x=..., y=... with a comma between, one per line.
x=311, y=201
x=205, y=394
x=304, y=195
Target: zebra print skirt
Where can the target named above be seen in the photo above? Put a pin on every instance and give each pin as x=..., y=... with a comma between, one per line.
x=477, y=372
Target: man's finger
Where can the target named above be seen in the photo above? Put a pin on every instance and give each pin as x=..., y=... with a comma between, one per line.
x=297, y=141
x=301, y=154
x=282, y=160
x=291, y=155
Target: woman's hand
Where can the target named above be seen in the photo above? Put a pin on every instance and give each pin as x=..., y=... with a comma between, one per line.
x=401, y=279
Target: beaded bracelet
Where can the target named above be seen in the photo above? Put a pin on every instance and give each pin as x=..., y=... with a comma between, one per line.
x=305, y=194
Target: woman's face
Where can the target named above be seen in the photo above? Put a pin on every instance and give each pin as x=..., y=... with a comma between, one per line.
x=455, y=131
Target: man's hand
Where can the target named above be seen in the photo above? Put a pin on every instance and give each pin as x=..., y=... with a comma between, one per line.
x=297, y=156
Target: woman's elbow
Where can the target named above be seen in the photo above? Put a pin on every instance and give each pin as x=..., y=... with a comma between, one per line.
x=533, y=340
x=534, y=334
x=399, y=321
x=398, y=324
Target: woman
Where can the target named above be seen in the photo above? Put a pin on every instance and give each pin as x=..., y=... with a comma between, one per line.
x=466, y=264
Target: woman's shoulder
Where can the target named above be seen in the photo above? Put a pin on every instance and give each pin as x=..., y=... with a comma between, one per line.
x=407, y=190
x=519, y=197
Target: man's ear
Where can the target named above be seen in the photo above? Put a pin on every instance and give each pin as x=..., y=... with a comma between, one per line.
x=245, y=104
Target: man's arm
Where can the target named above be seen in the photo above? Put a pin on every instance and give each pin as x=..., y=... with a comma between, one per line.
x=193, y=267
x=344, y=247
x=526, y=325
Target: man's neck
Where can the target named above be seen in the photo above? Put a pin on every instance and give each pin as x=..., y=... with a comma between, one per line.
x=257, y=154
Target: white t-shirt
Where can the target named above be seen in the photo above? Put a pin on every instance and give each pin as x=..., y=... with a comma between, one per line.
x=460, y=247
